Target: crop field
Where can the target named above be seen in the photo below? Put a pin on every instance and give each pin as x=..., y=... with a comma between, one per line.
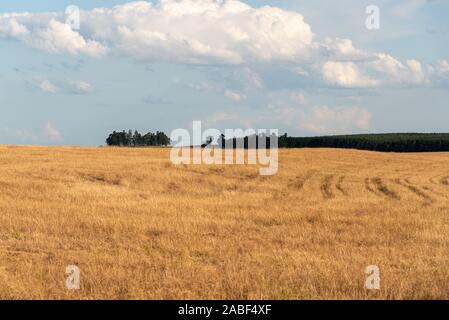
x=139, y=227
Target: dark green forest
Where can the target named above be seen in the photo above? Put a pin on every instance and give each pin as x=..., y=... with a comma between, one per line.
x=136, y=139
x=390, y=142
x=387, y=142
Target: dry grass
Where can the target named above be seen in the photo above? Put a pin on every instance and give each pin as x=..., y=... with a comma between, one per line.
x=139, y=227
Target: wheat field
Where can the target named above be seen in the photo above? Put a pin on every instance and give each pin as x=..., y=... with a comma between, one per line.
x=139, y=227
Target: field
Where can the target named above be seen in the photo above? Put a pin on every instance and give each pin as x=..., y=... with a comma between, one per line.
x=139, y=227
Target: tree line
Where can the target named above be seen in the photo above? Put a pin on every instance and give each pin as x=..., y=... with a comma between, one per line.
x=390, y=142
x=136, y=139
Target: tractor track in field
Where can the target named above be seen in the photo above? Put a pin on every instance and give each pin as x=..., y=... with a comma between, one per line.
x=432, y=180
x=368, y=186
x=381, y=188
x=299, y=182
x=444, y=181
x=431, y=190
x=339, y=186
x=414, y=189
x=326, y=187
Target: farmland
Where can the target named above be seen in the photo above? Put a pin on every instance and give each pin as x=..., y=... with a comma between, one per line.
x=139, y=227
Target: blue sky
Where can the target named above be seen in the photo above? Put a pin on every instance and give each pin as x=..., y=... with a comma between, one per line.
x=303, y=67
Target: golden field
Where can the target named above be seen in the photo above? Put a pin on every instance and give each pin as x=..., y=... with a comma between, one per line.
x=139, y=227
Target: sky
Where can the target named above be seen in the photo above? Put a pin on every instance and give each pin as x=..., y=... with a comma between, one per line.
x=306, y=68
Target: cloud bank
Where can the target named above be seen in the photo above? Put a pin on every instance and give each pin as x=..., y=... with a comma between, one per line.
x=223, y=32
x=187, y=31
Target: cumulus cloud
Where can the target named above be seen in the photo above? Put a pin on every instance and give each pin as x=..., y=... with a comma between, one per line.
x=45, y=32
x=59, y=37
x=217, y=32
x=417, y=73
x=291, y=109
x=48, y=87
x=388, y=65
x=346, y=74
x=10, y=27
x=440, y=71
x=80, y=87
x=443, y=66
x=326, y=120
x=233, y=95
x=229, y=32
x=52, y=134
x=343, y=49
x=393, y=71
x=65, y=86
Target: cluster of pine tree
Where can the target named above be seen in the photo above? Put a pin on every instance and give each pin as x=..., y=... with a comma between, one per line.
x=130, y=139
x=393, y=142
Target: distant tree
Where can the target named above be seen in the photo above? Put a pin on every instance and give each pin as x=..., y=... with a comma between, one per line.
x=136, y=139
x=162, y=139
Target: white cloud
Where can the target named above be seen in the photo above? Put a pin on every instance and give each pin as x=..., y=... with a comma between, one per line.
x=229, y=32
x=325, y=120
x=58, y=37
x=321, y=119
x=47, y=86
x=80, y=87
x=45, y=32
x=439, y=71
x=69, y=86
x=346, y=74
x=388, y=65
x=10, y=26
x=443, y=66
x=343, y=49
x=392, y=71
x=233, y=95
x=417, y=73
x=214, y=32
x=52, y=134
